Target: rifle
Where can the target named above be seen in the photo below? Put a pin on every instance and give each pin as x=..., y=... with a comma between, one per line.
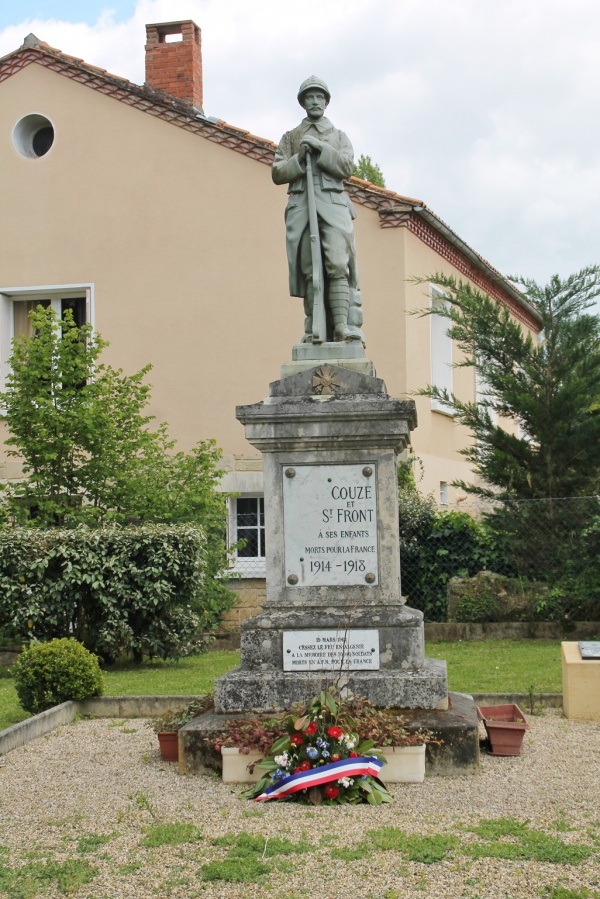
x=319, y=321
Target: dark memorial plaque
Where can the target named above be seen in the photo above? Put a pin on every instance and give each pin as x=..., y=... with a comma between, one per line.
x=589, y=649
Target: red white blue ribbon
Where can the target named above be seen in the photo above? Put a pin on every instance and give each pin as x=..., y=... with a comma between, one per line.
x=314, y=777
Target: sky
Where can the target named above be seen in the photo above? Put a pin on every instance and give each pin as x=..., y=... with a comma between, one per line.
x=485, y=110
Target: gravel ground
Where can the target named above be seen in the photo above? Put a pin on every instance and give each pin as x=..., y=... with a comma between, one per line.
x=102, y=778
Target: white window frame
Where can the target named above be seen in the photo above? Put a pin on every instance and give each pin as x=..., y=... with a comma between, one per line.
x=444, y=495
x=53, y=292
x=244, y=566
x=440, y=350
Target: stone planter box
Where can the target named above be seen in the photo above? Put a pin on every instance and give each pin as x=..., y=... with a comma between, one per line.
x=235, y=766
x=405, y=764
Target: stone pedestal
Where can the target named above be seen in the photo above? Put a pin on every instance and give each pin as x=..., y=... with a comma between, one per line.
x=581, y=684
x=334, y=612
x=345, y=355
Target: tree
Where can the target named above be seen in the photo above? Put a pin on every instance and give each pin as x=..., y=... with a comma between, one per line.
x=536, y=427
x=78, y=425
x=89, y=453
x=368, y=171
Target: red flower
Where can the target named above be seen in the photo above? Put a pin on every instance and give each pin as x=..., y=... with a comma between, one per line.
x=335, y=732
x=296, y=739
x=331, y=791
x=311, y=729
x=303, y=766
x=354, y=755
x=335, y=756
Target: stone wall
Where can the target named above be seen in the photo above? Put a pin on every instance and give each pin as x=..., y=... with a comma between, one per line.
x=251, y=594
x=453, y=631
x=488, y=597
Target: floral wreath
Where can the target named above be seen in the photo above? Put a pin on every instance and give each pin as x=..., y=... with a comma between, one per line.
x=320, y=759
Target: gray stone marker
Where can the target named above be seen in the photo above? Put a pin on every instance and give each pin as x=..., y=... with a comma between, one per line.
x=334, y=611
x=330, y=436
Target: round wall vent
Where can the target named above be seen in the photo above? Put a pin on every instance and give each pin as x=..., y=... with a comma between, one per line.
x=33, y=135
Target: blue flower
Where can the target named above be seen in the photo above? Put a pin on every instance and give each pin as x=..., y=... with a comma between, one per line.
x=311, y=752
x=325, y=754
x=278, y=774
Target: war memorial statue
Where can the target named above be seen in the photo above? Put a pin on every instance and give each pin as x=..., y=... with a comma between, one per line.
x=314, y=159
x=329, y=435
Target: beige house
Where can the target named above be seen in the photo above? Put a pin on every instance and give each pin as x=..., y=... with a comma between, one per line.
x=162, y=227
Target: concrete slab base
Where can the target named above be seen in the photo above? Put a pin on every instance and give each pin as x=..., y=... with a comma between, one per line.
x=455, y=732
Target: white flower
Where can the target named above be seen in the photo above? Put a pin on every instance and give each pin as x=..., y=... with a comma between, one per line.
x=282, y=760
x=350, y=743
x=345, y=782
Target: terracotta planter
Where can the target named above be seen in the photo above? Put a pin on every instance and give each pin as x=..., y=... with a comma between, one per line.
x=505, y=726
x=405, y=764
x=168, y=741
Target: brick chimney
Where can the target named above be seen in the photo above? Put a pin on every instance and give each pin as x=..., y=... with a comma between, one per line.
x=174, y=60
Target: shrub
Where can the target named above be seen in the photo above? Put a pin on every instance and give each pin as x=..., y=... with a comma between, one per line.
x=134, y=590
x=434, y=547
x=90, y=454
x=47, y=674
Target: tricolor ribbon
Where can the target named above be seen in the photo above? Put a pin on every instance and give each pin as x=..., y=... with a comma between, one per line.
x=356, y=767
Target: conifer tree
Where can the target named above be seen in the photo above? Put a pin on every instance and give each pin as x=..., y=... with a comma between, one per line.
x=536, y=420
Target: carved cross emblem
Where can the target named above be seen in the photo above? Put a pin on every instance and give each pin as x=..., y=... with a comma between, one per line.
x=325, y=382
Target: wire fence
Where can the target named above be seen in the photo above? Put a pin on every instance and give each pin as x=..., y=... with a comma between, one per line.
x=527, y=560
x=524, y=560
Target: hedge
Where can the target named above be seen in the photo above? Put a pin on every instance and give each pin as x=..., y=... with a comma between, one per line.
x=132, y=590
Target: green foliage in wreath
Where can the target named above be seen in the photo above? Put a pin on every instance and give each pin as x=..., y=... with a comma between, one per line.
x=322, y=733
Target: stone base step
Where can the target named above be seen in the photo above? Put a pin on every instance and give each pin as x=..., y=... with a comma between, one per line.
x=454, y=735
x=413, y=688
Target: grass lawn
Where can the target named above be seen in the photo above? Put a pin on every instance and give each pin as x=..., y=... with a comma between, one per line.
x=10, y=710
x=501, y=666
x=191, y=676
x=490, y=666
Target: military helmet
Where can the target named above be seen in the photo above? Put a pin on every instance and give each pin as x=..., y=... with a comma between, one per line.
x=316, y=84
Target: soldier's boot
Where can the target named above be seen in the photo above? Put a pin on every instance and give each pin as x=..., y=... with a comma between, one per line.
x=308, y=312
x=339, y=299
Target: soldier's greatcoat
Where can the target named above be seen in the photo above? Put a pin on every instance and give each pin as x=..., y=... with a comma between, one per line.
x=330, y=167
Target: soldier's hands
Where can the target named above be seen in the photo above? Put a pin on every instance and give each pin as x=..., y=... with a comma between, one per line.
x=309, y=143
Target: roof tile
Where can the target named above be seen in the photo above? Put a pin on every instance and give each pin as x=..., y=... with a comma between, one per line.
x=394, y=209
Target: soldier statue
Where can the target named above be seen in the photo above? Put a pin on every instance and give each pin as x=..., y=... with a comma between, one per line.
x=314, y=159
